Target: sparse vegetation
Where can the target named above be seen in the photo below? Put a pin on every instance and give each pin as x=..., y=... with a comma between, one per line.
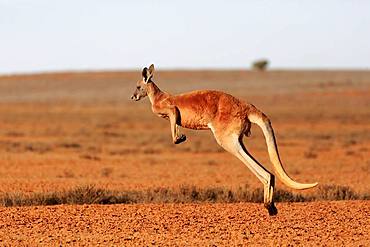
x=70, y=145
x=90, y=157
x=21, y=147
x=184, y=194
x=310, y=155
x=67, y=174
x=106, y=171
x=260, y=65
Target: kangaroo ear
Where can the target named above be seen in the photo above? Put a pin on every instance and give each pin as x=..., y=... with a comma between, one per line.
x=151, y=69
x=148, y=73
x=145, y=74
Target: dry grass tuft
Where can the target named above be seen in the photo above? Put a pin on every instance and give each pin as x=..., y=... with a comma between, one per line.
x=336, y=192
x=184, y=194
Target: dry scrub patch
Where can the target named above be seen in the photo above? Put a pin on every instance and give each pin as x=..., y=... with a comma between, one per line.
x=184, y=194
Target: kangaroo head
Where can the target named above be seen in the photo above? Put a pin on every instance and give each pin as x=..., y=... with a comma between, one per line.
x=141, y=86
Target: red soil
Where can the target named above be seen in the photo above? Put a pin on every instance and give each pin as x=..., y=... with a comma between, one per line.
x=64, y=130
x=345, y=223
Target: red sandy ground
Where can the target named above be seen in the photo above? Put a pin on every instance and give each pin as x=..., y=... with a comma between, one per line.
x=59, y=131
x=344, y=223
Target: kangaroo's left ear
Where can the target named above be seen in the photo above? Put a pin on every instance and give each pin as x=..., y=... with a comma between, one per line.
x=148, y=73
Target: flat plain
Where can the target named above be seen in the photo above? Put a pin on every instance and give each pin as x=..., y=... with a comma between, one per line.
x=60, y=131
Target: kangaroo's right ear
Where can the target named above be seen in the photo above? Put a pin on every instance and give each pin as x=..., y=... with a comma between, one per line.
x=144, y=73
x=148, y=73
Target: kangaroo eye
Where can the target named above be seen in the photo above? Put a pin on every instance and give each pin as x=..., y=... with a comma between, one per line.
x=138, y=87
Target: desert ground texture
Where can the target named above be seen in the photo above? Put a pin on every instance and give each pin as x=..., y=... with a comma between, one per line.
x=59, y=131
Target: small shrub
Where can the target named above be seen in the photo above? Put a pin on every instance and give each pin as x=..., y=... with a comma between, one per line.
x=260, y=65
x=67, y=174
x=37, y=147
x=90, y=157
x=310, y=155
x=70, y=145
x=335, y=193
x=106, y=171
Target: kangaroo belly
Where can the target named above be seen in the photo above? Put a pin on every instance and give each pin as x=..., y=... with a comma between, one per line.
x=196, y=122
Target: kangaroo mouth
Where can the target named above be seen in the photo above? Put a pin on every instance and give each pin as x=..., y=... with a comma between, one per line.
x=135, y=98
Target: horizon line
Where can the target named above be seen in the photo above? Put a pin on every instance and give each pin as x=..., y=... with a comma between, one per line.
x=174, y=69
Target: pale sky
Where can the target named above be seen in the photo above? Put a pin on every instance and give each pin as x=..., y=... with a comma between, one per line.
x=46, y=35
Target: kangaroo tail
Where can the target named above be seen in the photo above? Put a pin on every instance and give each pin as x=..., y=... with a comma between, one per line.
x=264, y=123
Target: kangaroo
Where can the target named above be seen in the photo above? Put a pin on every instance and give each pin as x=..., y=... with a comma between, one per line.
x=228, y=118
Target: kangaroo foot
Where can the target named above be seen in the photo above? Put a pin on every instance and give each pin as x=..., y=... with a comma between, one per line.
x=180, y=139
x=271, y=208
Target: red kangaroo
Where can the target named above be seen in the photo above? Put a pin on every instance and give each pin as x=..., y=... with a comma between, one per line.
x=228, y=118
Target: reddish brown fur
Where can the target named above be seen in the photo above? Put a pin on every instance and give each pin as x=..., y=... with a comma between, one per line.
x=197, y=109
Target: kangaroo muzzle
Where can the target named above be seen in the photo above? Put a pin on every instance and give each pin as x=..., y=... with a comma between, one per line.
x=135, y=97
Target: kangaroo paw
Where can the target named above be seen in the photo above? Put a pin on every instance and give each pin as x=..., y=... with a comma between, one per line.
x=271, y=208
x=180, y=139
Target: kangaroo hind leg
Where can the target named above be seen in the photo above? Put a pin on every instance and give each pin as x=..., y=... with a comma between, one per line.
x=234, y=145
x=268, y=183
